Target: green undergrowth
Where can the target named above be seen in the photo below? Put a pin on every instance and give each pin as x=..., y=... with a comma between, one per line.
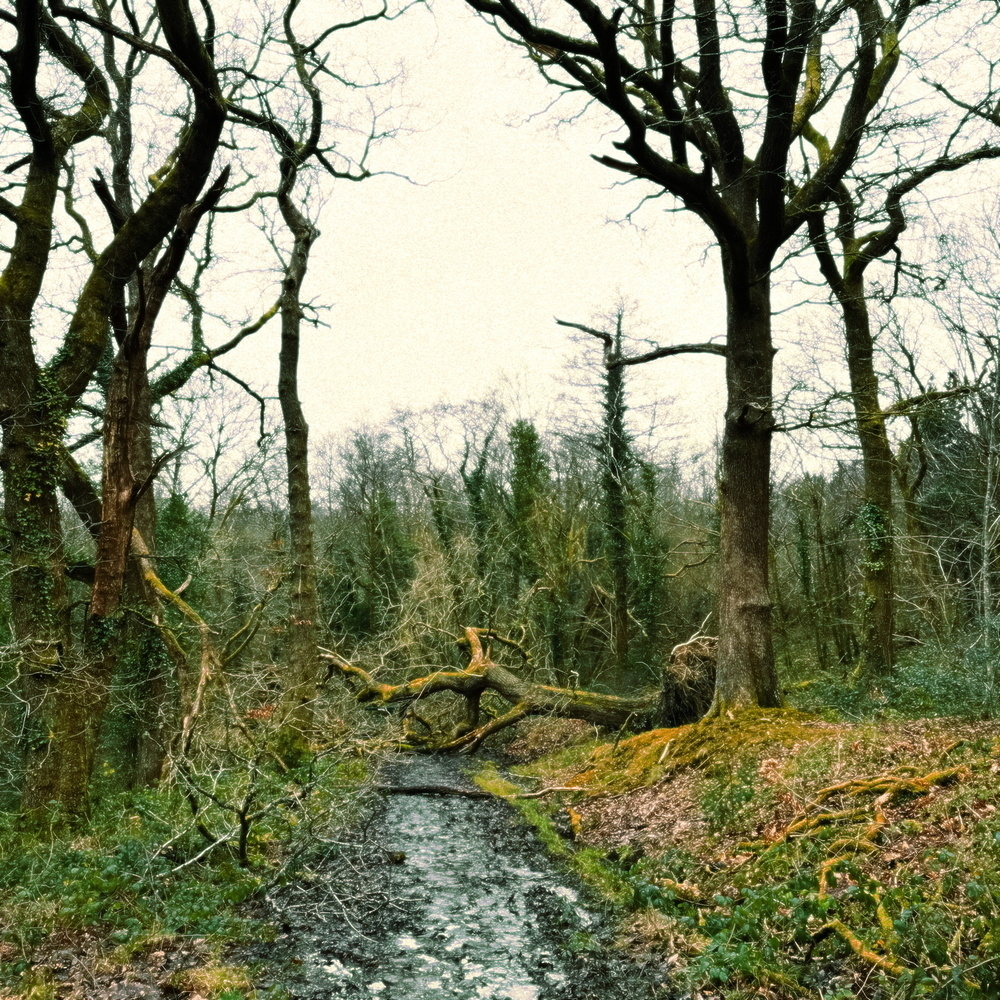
x=785, y=856
x=954, y=678
x=145, y=874
x=591, y=865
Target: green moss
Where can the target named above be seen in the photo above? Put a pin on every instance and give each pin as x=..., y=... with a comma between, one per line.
x=591, y=865
x=642, y=760
x=894, y=896
x=215, y=982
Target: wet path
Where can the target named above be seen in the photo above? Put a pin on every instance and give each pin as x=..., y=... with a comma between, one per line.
x=476, y=910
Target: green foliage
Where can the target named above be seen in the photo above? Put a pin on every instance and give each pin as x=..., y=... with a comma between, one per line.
x=821, y=910
x=141, y=870
x=529, y=485
x=875, y=530
x=121, y=878
x=368, y=559
x=182, y=537
x=955, y=679
x=733, y=799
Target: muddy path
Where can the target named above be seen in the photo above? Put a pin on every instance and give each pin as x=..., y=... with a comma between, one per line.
x=452, y=897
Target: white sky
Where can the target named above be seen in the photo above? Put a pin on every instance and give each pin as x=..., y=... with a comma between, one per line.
x=445, y=288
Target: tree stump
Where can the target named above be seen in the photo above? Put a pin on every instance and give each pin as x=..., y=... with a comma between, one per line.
x=688, y=681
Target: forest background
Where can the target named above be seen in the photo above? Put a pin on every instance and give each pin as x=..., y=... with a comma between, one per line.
x=187, y=584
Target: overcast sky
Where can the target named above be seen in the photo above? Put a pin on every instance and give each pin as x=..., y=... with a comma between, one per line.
x=447, y=287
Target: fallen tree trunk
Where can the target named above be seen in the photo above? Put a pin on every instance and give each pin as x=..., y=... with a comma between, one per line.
x=526, y=697
x=465, y=793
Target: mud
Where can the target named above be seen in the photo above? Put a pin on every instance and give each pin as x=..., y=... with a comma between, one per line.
x=451, y=897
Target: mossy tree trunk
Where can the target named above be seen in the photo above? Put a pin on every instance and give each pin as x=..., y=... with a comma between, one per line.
x=67, y=696
x=616, y=462
x=685, y=694
x=874, y=517
x=483, y=674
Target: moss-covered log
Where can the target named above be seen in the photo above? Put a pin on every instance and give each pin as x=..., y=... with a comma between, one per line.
x=526, y=697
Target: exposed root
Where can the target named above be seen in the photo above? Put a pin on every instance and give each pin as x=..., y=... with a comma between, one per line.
x=862, y=950
x=890, y=787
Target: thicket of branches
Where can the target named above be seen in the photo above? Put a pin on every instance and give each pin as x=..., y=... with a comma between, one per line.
x=166, y=599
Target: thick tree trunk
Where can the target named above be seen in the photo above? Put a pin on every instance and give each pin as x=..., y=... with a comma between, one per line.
x=80, y=697
x=745, y=674
x=46, y=657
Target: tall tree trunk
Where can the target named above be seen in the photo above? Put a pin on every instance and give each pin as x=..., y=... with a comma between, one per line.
x=80, y=696
x=616, y=461
x=745, y=674
x=303, y=668
x=157, y=711
x=80, y=699
x=874, y=519
x=47, y=660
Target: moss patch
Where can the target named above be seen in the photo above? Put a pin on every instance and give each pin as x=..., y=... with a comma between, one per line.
x=775, y=854
x=651, y=757
x=213, y=981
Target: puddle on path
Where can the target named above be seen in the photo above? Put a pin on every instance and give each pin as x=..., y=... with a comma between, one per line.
x=478, y=912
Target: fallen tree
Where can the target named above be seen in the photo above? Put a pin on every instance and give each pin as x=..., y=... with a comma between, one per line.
x=685, y=695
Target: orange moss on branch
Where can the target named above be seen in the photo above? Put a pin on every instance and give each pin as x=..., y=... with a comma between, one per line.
x=483, y=674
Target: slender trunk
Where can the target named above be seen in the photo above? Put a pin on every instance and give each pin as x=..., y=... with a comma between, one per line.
x=615, y=483
x=987, y=532
x=874, y=519
x=746, y=673
x=157, y=713
x=933, y=591
x=303, y=668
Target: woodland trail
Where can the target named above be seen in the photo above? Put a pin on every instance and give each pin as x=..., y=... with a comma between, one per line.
x=476, y=911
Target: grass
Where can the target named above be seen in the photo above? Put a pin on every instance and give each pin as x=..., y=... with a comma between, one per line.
x=141, y=878
x=817, y=859
x=591, y=865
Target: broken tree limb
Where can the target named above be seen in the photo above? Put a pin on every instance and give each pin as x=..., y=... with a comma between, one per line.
x=482, y=674
x=686, y=693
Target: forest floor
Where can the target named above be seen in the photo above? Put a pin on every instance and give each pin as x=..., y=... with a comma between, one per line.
x=780, y=855
x=775, y=854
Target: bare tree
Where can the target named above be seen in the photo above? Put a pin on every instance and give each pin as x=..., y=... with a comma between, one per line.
x=73, y=74
x=863, y=241
x=714, y=99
